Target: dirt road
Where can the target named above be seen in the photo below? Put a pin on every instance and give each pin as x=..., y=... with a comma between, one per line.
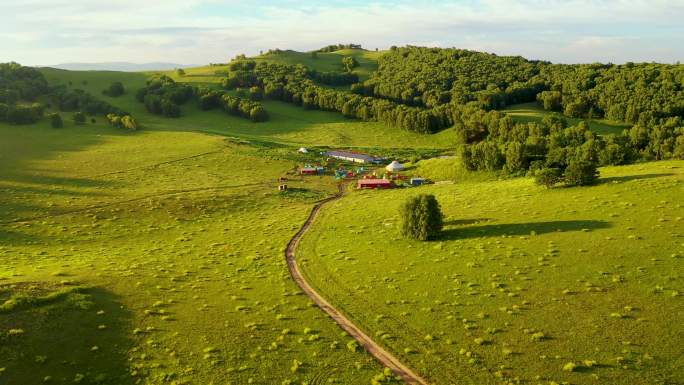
x=382, y=355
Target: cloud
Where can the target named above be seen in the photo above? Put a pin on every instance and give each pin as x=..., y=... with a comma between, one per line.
x=192, y=31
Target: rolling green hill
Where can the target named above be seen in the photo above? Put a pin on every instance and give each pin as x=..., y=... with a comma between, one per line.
x=523, y=280
x=156, y=256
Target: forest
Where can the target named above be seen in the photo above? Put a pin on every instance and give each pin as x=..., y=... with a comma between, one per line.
x=427, y=90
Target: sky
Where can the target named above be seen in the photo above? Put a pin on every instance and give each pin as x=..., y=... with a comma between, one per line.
x=43, y=32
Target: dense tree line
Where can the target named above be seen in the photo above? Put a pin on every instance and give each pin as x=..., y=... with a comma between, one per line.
x=519, y=148
x=211, y=99
x=19, y=83
x=163, y=96
x=78, y=100
x=427, y=90
x=338, y=47
x=295, y=84
x=335, y=78
x=431, y=77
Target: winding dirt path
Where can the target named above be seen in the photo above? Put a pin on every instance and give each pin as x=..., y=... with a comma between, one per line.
x=355, y=332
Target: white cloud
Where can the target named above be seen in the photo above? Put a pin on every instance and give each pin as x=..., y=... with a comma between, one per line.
x=50, y=31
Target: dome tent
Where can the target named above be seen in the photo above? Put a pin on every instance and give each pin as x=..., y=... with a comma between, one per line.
x=394, y=166
x=303, y=150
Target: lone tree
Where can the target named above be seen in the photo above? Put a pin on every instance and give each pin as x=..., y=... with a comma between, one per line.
x=349, y=63
x=115, y=89
x=56, y=120
x=421, y=217
x=79, y=117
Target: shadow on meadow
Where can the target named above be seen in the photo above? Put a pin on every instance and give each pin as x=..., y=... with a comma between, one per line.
x=521, y=229
x=49, y=334
x=463, y=222
x=626, y=178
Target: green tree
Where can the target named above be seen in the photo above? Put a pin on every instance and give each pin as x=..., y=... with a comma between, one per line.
x=349, y=63
x=115, y=89
x=180, y=72
x=421, y=217
x=56, y=120
x=580, y=173
x=258, y=114
x=79, y=117
x=548, y=177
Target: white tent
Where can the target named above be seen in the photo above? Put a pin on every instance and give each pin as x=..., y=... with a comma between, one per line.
x=394, y=166
x=303, y=150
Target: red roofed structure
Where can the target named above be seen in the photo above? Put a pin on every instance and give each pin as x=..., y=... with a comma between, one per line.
x=374, y=183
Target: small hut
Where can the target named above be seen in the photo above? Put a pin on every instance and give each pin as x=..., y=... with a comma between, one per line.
x=394, y=166
x=374, y=184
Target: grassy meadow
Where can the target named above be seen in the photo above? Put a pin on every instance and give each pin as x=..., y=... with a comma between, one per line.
x=156, y=256
x=533, y=112
x=526, y=285
x=288, y=124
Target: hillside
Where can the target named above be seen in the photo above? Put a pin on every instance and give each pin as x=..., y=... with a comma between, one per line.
x=145, y=218
x=523, y=281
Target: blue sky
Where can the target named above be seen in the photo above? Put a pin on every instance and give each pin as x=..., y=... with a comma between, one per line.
x=36, y=32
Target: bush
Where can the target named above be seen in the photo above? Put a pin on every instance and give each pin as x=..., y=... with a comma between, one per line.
x=580, y=173
x=547, y=177
x=56, y=120
x=115, y=89
x=79, y=117
x=170, y=109
x=421, y=217
x=258, y=114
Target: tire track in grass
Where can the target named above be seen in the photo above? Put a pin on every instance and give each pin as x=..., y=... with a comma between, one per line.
x=377, y=351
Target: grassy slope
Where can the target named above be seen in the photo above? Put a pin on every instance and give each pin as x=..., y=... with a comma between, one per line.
x=331, y=61
x=181, y=240
x=532, y=112
x=598, y=270
x=288, y=123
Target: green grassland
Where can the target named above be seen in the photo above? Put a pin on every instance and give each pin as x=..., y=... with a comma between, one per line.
x=328, y=61
x=156, y=256
x=523, y=281
x=533, y=112
x=288, y=123
x=175, y=242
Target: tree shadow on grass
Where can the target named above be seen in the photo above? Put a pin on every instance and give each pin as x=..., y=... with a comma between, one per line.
x=84, y=333
x=626, y=178
x=462, y=222
x=521, y=229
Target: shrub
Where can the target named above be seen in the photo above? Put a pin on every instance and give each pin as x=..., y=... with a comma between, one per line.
x=547, y=177
x=115, y=89
x=170, y=109
x=56, y=120
x=258, y=114
x=79, y=117
x=421, y=217
x=580, y=173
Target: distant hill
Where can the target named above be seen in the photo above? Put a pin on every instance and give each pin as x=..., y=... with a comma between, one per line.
x=119, y=66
